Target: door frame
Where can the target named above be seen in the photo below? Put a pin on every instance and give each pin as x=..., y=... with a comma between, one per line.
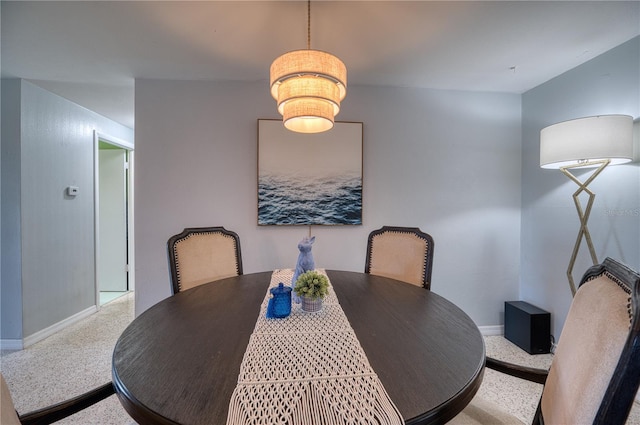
x=129, y=147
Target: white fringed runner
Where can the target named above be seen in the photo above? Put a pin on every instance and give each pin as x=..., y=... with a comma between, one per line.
x=308, y=369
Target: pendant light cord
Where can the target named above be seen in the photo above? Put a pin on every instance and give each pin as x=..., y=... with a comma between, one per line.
x=308, y=24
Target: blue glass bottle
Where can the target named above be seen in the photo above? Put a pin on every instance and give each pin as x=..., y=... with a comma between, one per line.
x=280, y=302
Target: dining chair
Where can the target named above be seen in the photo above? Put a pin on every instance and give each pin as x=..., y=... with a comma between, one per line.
x=51, y=414
x=401, y=253
x=595, y=370
x=199, y=255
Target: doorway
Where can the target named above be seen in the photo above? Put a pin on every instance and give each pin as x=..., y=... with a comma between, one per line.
x=113, y=218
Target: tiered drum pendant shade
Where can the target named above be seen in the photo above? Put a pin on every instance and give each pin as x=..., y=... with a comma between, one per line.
x=308, y=86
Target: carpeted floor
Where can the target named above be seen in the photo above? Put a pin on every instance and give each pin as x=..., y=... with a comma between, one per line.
x=69, y=363
x=79, y=358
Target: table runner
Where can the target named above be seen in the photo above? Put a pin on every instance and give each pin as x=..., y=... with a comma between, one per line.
x=307, y=369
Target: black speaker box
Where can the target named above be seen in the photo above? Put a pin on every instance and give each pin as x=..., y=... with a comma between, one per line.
x=527, y=326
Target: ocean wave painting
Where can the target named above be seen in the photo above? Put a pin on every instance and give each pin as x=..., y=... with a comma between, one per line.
x=309, y=179
x=328, y=200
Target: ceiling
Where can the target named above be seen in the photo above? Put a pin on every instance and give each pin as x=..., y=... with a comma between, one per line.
x=91, y=52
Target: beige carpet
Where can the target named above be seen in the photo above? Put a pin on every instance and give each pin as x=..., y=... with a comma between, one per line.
x=69, y=363
x=79, y=358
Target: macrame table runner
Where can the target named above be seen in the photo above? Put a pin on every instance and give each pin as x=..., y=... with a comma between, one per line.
x=308, y=369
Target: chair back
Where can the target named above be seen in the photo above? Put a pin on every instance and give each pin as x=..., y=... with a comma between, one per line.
x=401, y=253
x=8, y=414
x=203, y=254
x=595, y=371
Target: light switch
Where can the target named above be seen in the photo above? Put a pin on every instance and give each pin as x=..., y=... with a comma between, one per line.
x=72, y=190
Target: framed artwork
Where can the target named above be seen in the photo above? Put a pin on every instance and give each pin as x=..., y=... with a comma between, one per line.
x=309, y=179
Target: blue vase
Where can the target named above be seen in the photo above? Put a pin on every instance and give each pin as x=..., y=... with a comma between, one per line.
x=280, y=302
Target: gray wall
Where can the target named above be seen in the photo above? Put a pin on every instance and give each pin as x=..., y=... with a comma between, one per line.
x=608, y=84
x=54, y=235
x=11, y=288
x=449, y=162
x=445, y=161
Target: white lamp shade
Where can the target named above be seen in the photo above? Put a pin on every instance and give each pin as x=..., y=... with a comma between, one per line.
x=587, y=139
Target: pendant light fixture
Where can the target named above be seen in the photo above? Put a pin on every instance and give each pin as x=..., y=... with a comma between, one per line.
x=308, y=86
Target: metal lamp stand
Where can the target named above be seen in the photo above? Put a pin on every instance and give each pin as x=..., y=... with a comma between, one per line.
x=583, y=214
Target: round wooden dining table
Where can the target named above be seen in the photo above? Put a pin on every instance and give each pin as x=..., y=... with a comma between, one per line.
x=178, y=362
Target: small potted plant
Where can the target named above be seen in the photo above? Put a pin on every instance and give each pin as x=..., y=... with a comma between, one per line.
x=312, y=287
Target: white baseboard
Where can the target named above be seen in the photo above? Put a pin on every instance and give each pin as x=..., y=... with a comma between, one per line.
x=40, y=335
x=491, y=330
x=11, y=344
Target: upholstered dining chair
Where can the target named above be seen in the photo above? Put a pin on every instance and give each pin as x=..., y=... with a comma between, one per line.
x=199, y=255
x=401, y=253
x=595, y=371
x=51, y=414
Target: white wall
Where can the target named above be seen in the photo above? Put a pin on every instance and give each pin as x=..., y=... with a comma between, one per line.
x=608, y=84
x=445, y=161
x=55, y=235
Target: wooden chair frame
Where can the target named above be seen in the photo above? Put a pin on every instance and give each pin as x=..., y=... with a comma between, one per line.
x=428, y=261
x=620, y=394
x=171, y=243
x=59, y=411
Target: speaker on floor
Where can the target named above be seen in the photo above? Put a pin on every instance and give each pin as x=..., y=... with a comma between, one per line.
x=527, y=326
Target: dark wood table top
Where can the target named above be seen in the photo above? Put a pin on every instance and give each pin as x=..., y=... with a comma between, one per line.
x=178, y=362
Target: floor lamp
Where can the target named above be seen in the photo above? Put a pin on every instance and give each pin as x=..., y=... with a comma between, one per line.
x=581, y=143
